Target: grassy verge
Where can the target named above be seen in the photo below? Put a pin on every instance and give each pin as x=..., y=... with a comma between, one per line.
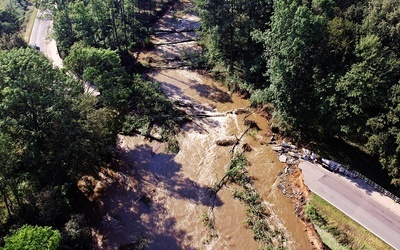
x=329, y=240
x=29, y=20
x=347, y=233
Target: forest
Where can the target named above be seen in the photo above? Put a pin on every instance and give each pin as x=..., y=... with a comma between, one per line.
x=329, y=68
x=323, y=68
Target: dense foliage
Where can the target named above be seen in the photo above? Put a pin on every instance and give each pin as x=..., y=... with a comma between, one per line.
x=10, y=22
x=101, y=70
x=226, y=29
x=331, y=68
x=53, y=130
x=51, y=134
x=328, y=67
x=33, y=237
x=122, y=25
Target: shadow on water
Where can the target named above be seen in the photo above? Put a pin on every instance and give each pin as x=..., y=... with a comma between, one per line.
x=211, y=92
x=160, y=169
x=201, y=128
x=144, y=212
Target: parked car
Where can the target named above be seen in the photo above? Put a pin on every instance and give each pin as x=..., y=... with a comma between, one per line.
x=33, y=45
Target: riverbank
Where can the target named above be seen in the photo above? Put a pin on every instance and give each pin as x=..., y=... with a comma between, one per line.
x=165, y=200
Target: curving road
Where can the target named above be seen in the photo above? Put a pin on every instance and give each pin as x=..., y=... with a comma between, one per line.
x=360, y=201
x=41, y=37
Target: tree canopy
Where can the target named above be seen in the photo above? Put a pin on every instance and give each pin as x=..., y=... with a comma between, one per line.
x=33, y=237
x=331, y=68
x=51, y=134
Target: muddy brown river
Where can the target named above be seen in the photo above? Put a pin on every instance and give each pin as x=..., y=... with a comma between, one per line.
x=164, y=197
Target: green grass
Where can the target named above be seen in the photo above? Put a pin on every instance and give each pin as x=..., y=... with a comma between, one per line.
x=329, y=239
x=347, y=233
x=27, y=26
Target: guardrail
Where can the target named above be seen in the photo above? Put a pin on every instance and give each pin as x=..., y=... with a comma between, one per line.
x=311, y=156
x=378, y=187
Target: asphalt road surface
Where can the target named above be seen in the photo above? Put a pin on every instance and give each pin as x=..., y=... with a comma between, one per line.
x=40, y=36
x=360, y=201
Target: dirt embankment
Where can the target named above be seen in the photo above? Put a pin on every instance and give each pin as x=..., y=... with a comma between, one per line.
x=293, y=187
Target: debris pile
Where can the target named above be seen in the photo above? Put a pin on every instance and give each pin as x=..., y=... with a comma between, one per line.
x=292, y=185
x=288, y=153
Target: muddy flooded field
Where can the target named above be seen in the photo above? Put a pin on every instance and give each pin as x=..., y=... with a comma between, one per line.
x=164, y=200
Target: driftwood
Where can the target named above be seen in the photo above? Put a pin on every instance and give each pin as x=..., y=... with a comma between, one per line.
x=246, y=147
x=171, y=67
x=175, y=31
x=178, y=42
x=226, y=142
x=251, y=124
x=238, y=141
x=240, y=111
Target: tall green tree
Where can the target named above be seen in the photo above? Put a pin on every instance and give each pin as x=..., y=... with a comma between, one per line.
x=226, y=34
x=382, y=20
x=294, y=49
x=101, y=68
x=382, y=63
x=51, y=134
x=110, y=24
x=362, y=92
x=9, y=27
x=9, y=23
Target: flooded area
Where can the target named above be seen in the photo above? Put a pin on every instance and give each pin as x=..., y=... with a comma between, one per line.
x=162, y=199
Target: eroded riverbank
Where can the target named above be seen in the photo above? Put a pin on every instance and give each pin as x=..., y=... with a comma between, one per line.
x=161, y=198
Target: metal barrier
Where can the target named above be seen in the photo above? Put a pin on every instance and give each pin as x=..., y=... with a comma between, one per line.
x=378, y=187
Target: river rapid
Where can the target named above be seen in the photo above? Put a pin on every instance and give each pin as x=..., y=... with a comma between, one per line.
x=164, y=199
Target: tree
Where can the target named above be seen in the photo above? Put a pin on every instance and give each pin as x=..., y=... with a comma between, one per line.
x=382, y=20
x=101, y=68
x=51, y=134
x=10, y=22
x=362, y=92
x=294, y=49
x=110, y=24
x=33, y=238
x=63, y=30
x=226, y=34
x=9, y=27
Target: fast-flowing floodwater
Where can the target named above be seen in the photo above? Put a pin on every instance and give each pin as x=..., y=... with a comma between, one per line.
x=165, y=197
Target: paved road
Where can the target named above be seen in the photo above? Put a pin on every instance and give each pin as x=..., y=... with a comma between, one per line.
x=358, y=200
x=41, y=37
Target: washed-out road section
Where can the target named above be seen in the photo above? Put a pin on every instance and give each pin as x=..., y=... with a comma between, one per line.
x=360, y=201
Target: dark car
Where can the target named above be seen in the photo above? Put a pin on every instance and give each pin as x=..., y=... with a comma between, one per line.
x=33, y=45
